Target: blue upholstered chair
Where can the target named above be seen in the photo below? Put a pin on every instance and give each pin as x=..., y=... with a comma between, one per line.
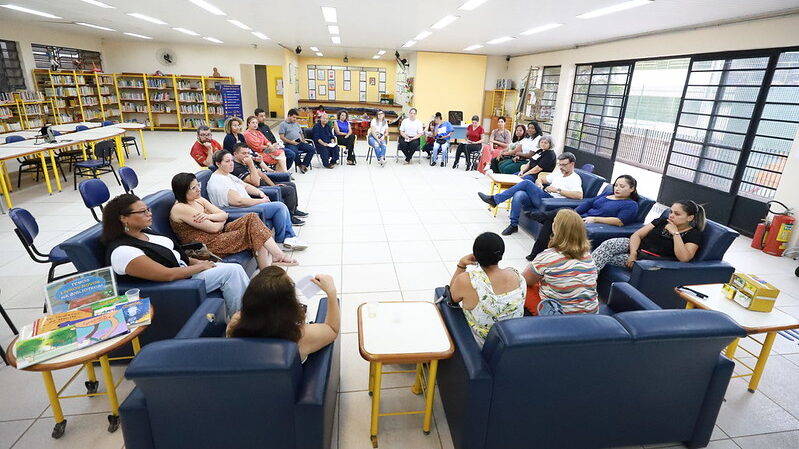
x=599, y=232
x=657, y=279
x=129, y=179
x=272, y=192
x=81, y=128
x=256, y=392
x=27, y=229
x=94, y=193
x=628, y=372
x=588, y=168
x=104, y=151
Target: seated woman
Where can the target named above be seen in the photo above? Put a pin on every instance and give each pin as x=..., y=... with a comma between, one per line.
x=487, y=293
x=233, y=133
x=564, y=275
x=195, y=219
x=616, y=209
x=325, y=142
x=523, y=150
x=378, y=136
x=498, y=141
x=674, y=238
x=136, y=252
x=282, y=315
x=430, y=138
x=411, y=130
x=256, y=140
x=343, y=132
x=473, y=144
x=519, y=132
x=543, y=160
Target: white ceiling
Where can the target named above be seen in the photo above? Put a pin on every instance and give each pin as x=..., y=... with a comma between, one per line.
x=369, y=25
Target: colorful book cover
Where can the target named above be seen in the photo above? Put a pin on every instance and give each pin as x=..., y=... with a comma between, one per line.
x=100, y=328
x=136, y=312
x=53, y=322
x=76, y=291
x=106, y=305
x=46, y=346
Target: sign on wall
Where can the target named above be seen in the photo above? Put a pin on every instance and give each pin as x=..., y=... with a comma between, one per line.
x=231, y=100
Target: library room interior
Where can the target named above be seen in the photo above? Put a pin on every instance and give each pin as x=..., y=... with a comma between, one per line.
x=417, y=225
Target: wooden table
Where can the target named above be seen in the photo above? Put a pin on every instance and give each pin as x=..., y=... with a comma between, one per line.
x=753, y=322
x=403, y=332
x=86, y=357
x=500, y=182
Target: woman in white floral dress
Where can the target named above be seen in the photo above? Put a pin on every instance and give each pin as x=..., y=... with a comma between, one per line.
x=486, y=292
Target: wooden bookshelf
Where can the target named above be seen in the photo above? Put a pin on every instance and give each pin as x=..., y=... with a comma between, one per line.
x=215, y=113
x=10, y=116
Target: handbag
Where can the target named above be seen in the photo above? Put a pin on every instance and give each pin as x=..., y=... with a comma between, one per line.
x=200, y=251
x=441, y=140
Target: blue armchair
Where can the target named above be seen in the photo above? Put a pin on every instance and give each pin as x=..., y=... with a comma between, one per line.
x=254, y=392
x=599, y=232
x=657, y=279
x=628, y=374
x=591, y=185
x=235, y=212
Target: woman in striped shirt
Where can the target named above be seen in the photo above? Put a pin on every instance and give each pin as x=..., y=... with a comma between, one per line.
x=565, y=270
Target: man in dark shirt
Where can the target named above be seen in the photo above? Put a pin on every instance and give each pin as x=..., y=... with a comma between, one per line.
x=267, y=132
x=245, y=169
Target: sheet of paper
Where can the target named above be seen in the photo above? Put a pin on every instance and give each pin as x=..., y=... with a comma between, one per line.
x=307, y=287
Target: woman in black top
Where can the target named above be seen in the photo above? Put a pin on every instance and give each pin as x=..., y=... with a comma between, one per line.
x=674, y=238
x=233, y=134
x=543, y=160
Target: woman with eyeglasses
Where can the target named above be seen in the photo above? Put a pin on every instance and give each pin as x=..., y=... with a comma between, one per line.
x=136, y=252
x=195, y=219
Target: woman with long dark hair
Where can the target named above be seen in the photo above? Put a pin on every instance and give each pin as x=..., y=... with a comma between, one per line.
x=270, y=309
x=343, y=131
x=519, y=132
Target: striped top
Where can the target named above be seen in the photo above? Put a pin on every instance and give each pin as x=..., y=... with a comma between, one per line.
x=492, y=307
x=571, y=282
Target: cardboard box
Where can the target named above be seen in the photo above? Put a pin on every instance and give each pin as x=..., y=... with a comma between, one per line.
x=753, y=293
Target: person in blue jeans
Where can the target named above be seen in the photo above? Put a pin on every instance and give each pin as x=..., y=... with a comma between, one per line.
x=443, y=133
x=291, y=154
x=563, y=183
x=378, y=136
x=292, y=136
x=326, y=144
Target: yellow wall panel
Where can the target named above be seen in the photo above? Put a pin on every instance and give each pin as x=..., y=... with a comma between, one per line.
x=449, y=82
x=352, y=95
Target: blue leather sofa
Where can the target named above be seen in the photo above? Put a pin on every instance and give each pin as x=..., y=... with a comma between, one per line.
x=657, y=279
x=589, y=381
x=197, y=391
x=591, y=185
x=599, y=232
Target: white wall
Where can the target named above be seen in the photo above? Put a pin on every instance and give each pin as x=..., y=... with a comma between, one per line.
x=496, y=68
x=788, y=190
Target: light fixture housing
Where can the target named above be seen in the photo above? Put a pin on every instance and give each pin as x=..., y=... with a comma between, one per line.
x=423, y=35
x=212, y=39
x=332, y=29
x=140, y=36
x=408, y=44
x=335, y=39
x=319, y=54
x=31, y=11
x=471, y=4
x=444, y=21
x=614, y=8
x=185, y=31
x=147, y=18
x=208, y=7
x=98, y=4
x=376, y=57
x=239, y=24
x=472, y=47
x=539, y=29
x=329, y=13
x=381, y=52
x=314, y=49
x=260, y=35
x=500, y=40
x=91, y=25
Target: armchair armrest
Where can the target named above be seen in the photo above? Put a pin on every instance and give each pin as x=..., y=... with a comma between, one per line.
x=714, y=396
x=657, y=279
x=279, y=177
x=273, y=193
x=207, y=321
x=135, y=422
x=625, y=298
x=558, y=203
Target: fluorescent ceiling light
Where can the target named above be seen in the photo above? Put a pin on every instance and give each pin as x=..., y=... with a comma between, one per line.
x=471, y=4
x=408, y=44
x=208, y=7
x=423, y=35
x=31, y=11
x=138, y=35
x=329, y=13
x=212, y=39
x=239, y=24
x=472, y=47
x=94, y=26
x=547, y=27
x=615, y=8
x=96, y=3
x=260, y=35
x=381, y=52
x=446, y=20
x=319, y=54
x=332, y=29
x=147, y=18
x=499, y=40
x=314, y=49
x=185, y=31
x=335, y=39
x=376, y=57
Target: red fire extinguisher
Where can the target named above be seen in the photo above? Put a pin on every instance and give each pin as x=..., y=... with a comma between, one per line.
x=772, y=236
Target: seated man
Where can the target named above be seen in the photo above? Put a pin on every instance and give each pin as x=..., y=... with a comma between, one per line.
x=291, y=135
x=250, y=170
x=226, y=190
x=325, y=142
x=563, y=183
x=260, y=114
x=204, y=148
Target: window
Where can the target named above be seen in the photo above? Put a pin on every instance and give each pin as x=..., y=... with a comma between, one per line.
x=65, y=58
x=549, y=85
x=11, y=77
x=597, y=102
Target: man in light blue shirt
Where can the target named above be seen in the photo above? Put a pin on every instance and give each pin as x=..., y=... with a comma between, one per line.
x=443, y=133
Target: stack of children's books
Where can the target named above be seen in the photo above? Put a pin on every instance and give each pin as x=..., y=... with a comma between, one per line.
x=84, y=309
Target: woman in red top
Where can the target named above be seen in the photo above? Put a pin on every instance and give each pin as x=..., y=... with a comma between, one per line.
x=473, y=144
x=257, y=141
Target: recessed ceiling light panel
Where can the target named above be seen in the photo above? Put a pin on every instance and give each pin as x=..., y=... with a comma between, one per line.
x=31, y=11
x=614, y=8
x=147, y=18
x=329, y=14
x=208, y=7
x=446, y=20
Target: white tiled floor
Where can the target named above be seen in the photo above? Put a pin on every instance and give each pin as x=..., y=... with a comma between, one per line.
x=391, y=233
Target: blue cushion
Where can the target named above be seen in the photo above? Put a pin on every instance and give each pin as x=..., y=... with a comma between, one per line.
x=92, y=163
x=57, y=255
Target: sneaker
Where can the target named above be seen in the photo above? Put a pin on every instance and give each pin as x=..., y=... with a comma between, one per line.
x=488, y=199
x=294, y=243
x=296, y=221
x=508, y=231
x=299, y=213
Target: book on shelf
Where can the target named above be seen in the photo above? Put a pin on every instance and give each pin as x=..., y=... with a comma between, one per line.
x=79, y=290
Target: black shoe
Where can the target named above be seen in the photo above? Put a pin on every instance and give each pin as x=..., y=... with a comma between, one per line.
x=303, y=169
x=296, y=221
x=530, y=257
x=432, y=164
x=455, y=166
x=488, y=199
x=442, y=164
x=510, y=230
x=299, y=213
x=536, y=215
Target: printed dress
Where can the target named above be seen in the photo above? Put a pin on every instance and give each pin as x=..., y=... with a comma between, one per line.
x=245, y=233
x=492, y=307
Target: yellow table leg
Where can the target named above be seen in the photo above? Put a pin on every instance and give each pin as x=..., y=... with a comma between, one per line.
x=376, y=402
x=44, y=170
x=110, y=386
x=417, y=385
x=4, y=186
x=136, y=345
x=55, y=170
x=89, y=366
x=730, y=351
x=493, y=189
x=371, y=378
x=430, y=393
x=761, y=361
x=143, y=148
x=83, y=150
x=120, y=150
x=94, y=156
x=689, y=305
x=7, y=177
x=55, y=404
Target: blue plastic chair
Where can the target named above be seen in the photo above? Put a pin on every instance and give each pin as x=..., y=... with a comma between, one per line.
x=129, y=179
x=107, y=123
x=27, y=229
x=103, y=151
x=81, y=128
x=30, y=164
x=94, y=193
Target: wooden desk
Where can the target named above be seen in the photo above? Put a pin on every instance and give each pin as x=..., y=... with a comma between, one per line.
x=753, y=322
x=403, y=332
x=500, y=182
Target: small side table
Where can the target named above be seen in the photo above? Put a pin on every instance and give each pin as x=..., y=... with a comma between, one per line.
x=753, y=322
x=500, y=182
x=403, y=332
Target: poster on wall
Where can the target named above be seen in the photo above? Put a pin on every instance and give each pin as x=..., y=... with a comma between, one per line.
x=231, y=100
x=347, y=75
x=382, y=77
x=362, y=96
x=372, y=81
x=312, y=95
x=362, y=86
x=320, y=74
x=331, y=75
x=296, y=80
x=362, y=76
x=331, y=94
x=347, y=85
x=322, y=89
x=279, y=87
x=311, y=84
x=382, y=87
x=311, y=74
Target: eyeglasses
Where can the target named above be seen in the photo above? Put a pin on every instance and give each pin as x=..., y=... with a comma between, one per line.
x=562, y=164
x=143, y=211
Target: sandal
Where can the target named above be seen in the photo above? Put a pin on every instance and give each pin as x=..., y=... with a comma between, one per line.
x=285, y=263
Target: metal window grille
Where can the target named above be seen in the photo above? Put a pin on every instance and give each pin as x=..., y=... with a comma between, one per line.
x=549, y=85
x=65, y=58
x=11, y=76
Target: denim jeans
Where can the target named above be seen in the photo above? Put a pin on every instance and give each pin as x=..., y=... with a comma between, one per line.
x=327, y=154
x=281, y=220
x=379, y=146
x=526, y=195
x=291, y=155
x=231, y=279
x=303, y=148
x=440, y=148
